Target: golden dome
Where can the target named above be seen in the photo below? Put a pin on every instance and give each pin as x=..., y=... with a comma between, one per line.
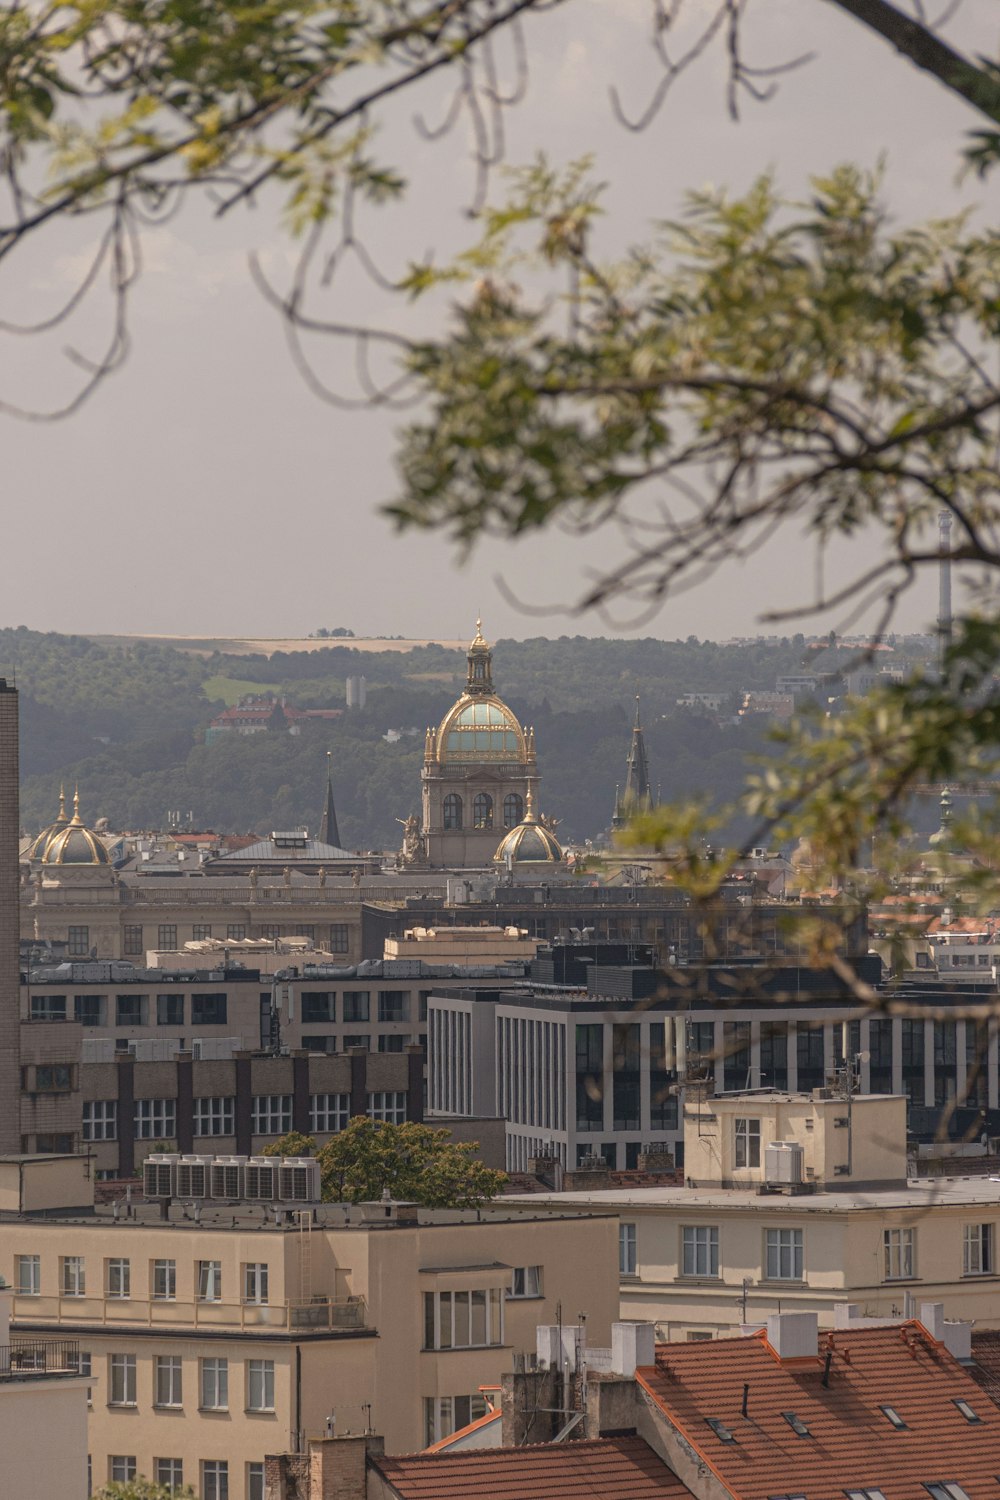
x=530, y=843
x=44, y=839
x=75, y=844
x=480, y=726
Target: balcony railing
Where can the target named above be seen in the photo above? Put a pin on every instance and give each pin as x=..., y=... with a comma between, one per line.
x=27, y=1359
x=315, y=1314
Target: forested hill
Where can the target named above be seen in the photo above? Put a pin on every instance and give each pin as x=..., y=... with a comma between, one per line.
x=128, y=722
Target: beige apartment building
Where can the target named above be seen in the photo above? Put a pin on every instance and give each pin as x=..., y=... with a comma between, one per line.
x=41, y=1394
x=212, y=1335
x=798, y=1203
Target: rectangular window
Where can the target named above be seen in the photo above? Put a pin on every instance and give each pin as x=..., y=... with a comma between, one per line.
x=626, y=1250
x=236, y=932
x=28, y=1275
x=355, y=1041
x=130, y=1010
x=78, y=942
x=328, y=1113
x=318, y=1006
x=390, y=1107
x=463, y=1320
x=590, y=1077
x=392, y=1005
x=272, y=1114
x=526, y=1281
x=201, y=932
x=783, y=1254
x=255, y=1482
x=100, y=1120
x=339, y=942
x=132, y=941
x=312, y=1042
x=72, y=1276
x=214, y=1479
x=169, y=1472
x=209, y=1280
x=255, y=1282
x=118, y=1278
x=89, y=1009
x=208, y=1010
x=899, y=1247
x=444, y=1415
x=121, y=1467
x=216, y=1116
x=54, y=1144
x=391, y=1043
x=80, y=1362
x=626, y=1051
x=747, y=1143
x=167, y=1375
x=214, y=1385
x=170, y=1010
x=48, y=1007
x=52, y=1078
x=260, y=1385
x=978, y=1251
x=166, y=937
x=356, y=1005
x=155, y=1119
x=700, y=1250
x=121, y=1379
x=163, y=1283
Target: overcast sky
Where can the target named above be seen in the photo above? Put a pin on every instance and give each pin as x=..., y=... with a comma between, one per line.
x=204, y=490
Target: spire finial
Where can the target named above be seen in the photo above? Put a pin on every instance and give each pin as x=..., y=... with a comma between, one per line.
x=529, y=804
x=76, y=805
x=62, y=802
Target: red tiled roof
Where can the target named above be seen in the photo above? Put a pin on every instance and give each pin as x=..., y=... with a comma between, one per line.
x=986, y=1353
x=621, y=1468
x=851, y=1443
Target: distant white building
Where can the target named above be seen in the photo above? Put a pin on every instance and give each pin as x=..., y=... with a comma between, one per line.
x=357, y=692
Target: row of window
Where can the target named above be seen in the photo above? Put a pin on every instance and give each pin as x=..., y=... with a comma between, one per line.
x=168, y=1382
x=78, y=943
x=132, y=1010
x=161, y=1281
x=393, y=1005
x=784, y=1249
x=453, y=809
x=156, y=1119
x=169, y=1472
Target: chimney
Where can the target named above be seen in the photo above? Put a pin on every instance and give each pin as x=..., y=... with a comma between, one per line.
x=528, y=1407
x=793, y=1335
x=633, y=1345
x=339, y=1466
x=286, y=1476
x=932, y=1317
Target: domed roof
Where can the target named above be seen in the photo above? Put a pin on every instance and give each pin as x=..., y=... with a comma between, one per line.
x=480, y=726
x=530, y=843
x=44, y=839
x=75, y=844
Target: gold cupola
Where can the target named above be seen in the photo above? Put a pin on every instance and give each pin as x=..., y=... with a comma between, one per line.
x=530, y=843
x=76, y=844
x=479, y=728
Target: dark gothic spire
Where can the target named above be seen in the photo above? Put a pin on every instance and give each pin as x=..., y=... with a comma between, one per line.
x=636, y=797
x=329, y=833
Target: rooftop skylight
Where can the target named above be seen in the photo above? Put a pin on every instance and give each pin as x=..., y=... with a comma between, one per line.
x=796, y=1424
x=967, y=1412
x=720, y=1429
x=892, y=1415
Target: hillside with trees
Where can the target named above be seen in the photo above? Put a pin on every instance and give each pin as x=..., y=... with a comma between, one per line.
x=129, y=722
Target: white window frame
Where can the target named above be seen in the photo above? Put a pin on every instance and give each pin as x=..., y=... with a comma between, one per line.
x=117, y=1278
x=784, y=1254
x=627, y=1259
x=163, y=1280
x=213, y=1384
x=208, y=1284
x=387, y=1105
x=454, y=1318
x=899, y=1254
x=255, y=1283
x=260, y=1385
x=168, y=1388
x=329, y=1113
x=169, y=1472
x=746, y=1143
x=255, y=1481
x=525, y=1282
x=214, y=1479
x=155, y=1119
x=700, y=1250
x=100, y=1120
x=29, y=1285
x=121, y=1380
x=272, y=1114
x=72, y=1276
x=978, y=1247
x=121, y=1467
x=215, y=1115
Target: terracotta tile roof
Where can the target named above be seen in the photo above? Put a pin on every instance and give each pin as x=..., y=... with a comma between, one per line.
x=986, y=1353
x=621, y=1468
x=851, y=1444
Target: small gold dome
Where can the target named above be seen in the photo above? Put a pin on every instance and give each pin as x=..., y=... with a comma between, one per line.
x=44, y=839
x=530, y=843
x=75, y=844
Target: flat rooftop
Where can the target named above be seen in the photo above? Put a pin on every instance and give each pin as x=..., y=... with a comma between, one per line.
x=920, y=1193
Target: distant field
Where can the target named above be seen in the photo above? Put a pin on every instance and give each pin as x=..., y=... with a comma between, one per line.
x=197, y=645
x=232, y=689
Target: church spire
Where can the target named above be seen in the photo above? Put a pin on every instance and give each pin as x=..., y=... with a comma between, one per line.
x=636, y=797
x=480, y=679
x=329, y=833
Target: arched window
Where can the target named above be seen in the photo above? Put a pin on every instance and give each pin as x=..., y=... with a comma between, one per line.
x=453, y=810
x=513, y=810
x=482, y=810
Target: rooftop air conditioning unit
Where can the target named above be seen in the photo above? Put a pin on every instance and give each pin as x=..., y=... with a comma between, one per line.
x=227, y=1177
x=158, y=1175
x=260, y=1178
x=192, y=1176
x=784, y=1164
x=299, y=1180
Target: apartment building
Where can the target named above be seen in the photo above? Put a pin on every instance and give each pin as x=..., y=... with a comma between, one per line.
x=41, y=1392
x=212, y=1335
